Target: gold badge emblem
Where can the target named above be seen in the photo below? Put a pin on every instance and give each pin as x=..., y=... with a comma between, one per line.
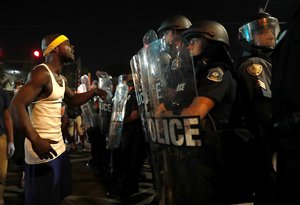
x=261, y=84
x=254, y=69
x=215, y=74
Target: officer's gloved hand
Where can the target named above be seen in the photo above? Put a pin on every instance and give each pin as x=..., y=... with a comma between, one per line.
x=10, y=149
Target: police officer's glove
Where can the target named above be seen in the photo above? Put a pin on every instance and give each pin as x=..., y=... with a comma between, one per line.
x=10, y=149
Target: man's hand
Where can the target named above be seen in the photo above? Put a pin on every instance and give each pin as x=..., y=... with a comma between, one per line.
x=10, y=149
x=101, y=93
x=42, y=147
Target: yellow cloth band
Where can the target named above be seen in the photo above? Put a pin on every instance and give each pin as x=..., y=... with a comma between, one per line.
x=56, y=42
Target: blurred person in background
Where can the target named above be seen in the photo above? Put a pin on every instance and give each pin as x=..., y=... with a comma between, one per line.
x=7, y=147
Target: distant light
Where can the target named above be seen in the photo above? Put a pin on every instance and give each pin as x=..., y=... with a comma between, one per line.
x=36, y=53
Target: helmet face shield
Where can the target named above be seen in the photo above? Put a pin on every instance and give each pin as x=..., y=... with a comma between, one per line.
x=267, y=27
x=170, y=34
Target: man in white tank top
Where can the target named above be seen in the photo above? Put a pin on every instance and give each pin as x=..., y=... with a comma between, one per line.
x=47, y=168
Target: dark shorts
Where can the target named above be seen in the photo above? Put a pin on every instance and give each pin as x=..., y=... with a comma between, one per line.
x=48, y=183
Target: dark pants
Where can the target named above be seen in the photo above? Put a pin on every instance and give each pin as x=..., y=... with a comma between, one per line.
x=48, y=183
x=128, y=163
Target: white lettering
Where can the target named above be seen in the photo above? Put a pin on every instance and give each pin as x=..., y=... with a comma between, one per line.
x=158, y=90
x=180, y=87
x=140, y=98
x=179, y=131
x=105, y=106
x=190, y=132
x=175, y=125
x=152, y=130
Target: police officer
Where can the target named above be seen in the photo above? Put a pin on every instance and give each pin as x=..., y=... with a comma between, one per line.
x=257, y=37
x=170, y=29
x=208, y=44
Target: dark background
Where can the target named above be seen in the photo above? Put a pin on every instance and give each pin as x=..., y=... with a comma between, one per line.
x=106, y=34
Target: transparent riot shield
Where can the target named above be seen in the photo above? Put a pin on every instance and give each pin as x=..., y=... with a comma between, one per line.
x=105, y=83
x=180, y=158
x=118, y=112
x=105, y=106
x=135, y=69
x=138, y=66
x=149, y=37
x=87, y=114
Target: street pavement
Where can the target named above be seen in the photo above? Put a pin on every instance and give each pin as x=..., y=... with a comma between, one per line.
x=87, y=188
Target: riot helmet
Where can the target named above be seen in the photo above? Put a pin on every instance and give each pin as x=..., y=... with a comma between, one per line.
x=209, y=29
x=258, y=30
x=178, y=23
x=215, y=41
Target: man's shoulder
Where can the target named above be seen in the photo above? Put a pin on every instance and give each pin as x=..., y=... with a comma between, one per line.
x=39, y=72
x=40, y=67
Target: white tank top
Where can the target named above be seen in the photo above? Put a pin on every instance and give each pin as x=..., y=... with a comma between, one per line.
x=45, y=116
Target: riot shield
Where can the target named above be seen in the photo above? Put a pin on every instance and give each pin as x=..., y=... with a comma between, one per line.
x=87, y=114
x=118, y=112
x=138, y=68
x=105, y=83
x=149, y=37
x=179, y=153
x=135, y=69
x=105, y=106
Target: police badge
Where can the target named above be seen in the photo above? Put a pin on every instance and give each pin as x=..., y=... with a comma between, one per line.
x=254, y=69
x=215, y=74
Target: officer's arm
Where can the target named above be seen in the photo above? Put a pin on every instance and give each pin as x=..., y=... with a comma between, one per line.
x=200, y=106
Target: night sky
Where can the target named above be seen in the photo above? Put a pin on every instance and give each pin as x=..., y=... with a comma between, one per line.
x=106, y=34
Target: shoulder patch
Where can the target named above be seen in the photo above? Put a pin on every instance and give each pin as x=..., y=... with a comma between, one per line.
x=215, y=74
x=254, y=69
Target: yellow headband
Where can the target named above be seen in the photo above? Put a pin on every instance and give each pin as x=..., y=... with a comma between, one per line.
x=56, y=42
